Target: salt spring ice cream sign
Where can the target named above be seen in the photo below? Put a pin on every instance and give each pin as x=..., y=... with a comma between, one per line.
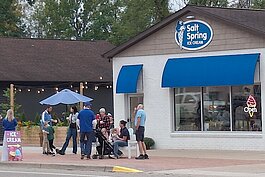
x=193, y=34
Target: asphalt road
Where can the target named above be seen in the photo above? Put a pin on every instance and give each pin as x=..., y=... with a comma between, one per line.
x=37, y=172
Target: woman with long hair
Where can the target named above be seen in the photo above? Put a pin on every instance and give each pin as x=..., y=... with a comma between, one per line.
x=10, y=122
x=72, y=131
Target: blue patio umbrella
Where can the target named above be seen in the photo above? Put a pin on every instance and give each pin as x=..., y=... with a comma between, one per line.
x=65, y=96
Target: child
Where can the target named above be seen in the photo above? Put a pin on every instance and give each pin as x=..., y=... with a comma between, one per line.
x=105, y=133
x=114, y=134
x=50, y=138
x=45, y=132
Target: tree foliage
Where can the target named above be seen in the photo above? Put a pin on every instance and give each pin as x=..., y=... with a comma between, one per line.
x=137, y=16
x=258, y=4
x=10, y=14
x=210, y=3
x=113, y=20
x=5, y=106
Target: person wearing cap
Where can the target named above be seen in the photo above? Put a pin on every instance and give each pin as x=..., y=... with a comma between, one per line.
x=122, y=139
x=85, y=121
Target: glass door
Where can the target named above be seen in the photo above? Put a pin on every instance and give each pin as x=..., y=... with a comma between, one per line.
x=133, y=100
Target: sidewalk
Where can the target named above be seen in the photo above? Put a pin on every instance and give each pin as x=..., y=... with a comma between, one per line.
x=160, y=161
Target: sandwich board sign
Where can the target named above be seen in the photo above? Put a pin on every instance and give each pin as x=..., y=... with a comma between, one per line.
x=12, y=147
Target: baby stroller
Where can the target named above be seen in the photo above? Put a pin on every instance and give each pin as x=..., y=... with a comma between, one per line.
x=104, y=148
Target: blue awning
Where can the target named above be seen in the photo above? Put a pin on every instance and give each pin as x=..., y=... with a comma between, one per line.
x=127, y=79
x=222, y=70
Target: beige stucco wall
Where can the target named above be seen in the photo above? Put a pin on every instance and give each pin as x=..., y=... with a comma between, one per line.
x=226, y=37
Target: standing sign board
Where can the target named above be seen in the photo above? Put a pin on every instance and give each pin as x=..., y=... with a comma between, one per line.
x=12, y=147
x=193, y=34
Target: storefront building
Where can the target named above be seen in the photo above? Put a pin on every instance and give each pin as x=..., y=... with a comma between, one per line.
x=199, y=74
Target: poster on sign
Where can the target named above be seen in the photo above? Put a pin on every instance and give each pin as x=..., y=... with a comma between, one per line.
x=12, y=148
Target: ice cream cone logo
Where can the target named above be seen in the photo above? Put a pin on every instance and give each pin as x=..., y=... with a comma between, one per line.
x=251, y=106
x=180, y=32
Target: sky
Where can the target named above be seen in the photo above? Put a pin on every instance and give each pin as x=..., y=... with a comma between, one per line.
x=175, y=5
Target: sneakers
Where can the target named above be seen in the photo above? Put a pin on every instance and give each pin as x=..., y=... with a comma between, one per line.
x=51, y=153
x=140, y=157
x=146, y=156
x=82, y=157
x=113, y=157
x=88, y=157
x=60, y=152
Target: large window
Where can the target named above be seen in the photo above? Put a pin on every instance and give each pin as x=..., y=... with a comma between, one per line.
x=187, y=109
x=216, y=103
x=246, y=101
x=236, y=108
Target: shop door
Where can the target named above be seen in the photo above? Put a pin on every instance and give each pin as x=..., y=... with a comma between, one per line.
x=133, y=100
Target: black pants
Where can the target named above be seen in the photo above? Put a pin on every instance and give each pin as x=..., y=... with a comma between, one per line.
x=51, y=145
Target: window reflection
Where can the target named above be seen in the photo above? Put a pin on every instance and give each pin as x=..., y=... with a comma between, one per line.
x=187, y=109
x=216, y=109
x=247, y=117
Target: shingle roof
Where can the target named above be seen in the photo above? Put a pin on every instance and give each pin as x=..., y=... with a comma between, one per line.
x=249, y=19
x=54, y=60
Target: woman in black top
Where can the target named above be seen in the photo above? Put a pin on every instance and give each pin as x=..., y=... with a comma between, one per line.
x=72, y=131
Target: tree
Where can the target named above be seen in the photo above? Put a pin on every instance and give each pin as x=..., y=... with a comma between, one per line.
x=137, y=16
x=6, y=106
x=73, y=19
x=210, y=3
x=113, y=20
x=10, y=18
x=258, y=4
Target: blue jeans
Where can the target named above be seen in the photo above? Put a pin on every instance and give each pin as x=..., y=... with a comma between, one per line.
x=116, y=146
x=72, y=132
x=86, y=145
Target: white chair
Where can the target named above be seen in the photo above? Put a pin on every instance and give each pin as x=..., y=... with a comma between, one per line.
x=132, y=144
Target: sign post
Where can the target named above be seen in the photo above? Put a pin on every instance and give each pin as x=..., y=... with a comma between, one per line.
x=12, y=147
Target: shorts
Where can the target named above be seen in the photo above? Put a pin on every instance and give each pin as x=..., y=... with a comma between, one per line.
x=140, y=134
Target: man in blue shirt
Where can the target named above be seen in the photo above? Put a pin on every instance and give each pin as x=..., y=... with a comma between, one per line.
x=86, y=117
x=140, y=119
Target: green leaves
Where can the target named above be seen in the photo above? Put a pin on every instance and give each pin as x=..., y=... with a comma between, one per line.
x=210, y=3
x=113, y=20
x=10, y=18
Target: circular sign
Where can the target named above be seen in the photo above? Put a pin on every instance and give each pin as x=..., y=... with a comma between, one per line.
x=193, y=34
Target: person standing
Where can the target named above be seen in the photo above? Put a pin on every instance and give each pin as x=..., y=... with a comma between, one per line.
x=45, y=142
x=50, y=137
x=10, y=122
x=86, y=117
x=47, y=117
x=121, y=140
x=140, y=118
x=72, y=131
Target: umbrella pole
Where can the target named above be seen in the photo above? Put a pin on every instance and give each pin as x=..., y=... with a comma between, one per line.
x=81, y=93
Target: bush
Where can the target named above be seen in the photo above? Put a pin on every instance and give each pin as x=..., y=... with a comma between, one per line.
x=149, y=142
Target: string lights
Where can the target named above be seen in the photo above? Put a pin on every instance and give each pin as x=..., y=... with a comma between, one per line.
x=57, y=87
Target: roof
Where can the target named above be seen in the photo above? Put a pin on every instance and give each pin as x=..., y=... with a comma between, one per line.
x=54, y=60
x=249, y=19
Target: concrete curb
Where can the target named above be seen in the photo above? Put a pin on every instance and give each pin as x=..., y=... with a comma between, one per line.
x=57, y=166
x=125, y=170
